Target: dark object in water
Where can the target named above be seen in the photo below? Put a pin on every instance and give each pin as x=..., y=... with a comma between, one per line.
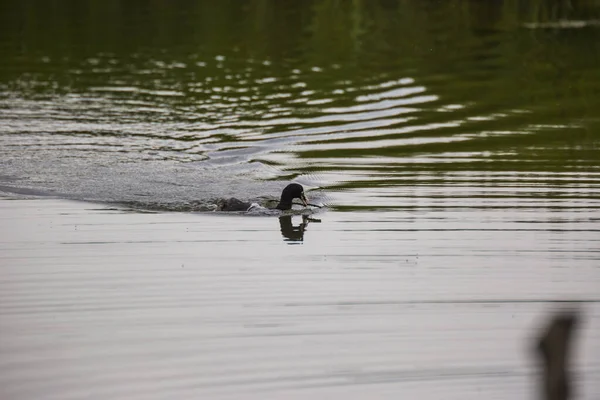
x=554, y=349
x=294, y=233
x=289, y=231
x=291, y=192
x=233, y=204
x=309, y=204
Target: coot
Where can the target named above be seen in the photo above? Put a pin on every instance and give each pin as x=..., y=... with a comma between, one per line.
x=290, y=192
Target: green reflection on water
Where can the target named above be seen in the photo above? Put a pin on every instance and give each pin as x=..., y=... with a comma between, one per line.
x=322, y=88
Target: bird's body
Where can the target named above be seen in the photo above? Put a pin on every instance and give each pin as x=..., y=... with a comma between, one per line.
x=233, y=204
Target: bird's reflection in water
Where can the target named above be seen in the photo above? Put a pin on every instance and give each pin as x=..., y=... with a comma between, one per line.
x=294, y=234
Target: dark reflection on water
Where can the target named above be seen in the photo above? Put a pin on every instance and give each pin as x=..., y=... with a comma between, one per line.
x=289, y=231
x=294, y=233
x=399, y=104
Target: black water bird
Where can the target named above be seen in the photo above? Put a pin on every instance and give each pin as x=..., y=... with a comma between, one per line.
x=290, y=192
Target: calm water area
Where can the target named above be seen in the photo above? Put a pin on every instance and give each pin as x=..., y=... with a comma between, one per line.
x=454, y=146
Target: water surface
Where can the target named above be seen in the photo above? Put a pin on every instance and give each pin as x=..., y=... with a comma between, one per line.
x=383, y=105
x=99, y=303
x=454, y=143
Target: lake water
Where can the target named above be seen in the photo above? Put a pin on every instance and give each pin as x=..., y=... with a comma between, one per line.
x=455, y=146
